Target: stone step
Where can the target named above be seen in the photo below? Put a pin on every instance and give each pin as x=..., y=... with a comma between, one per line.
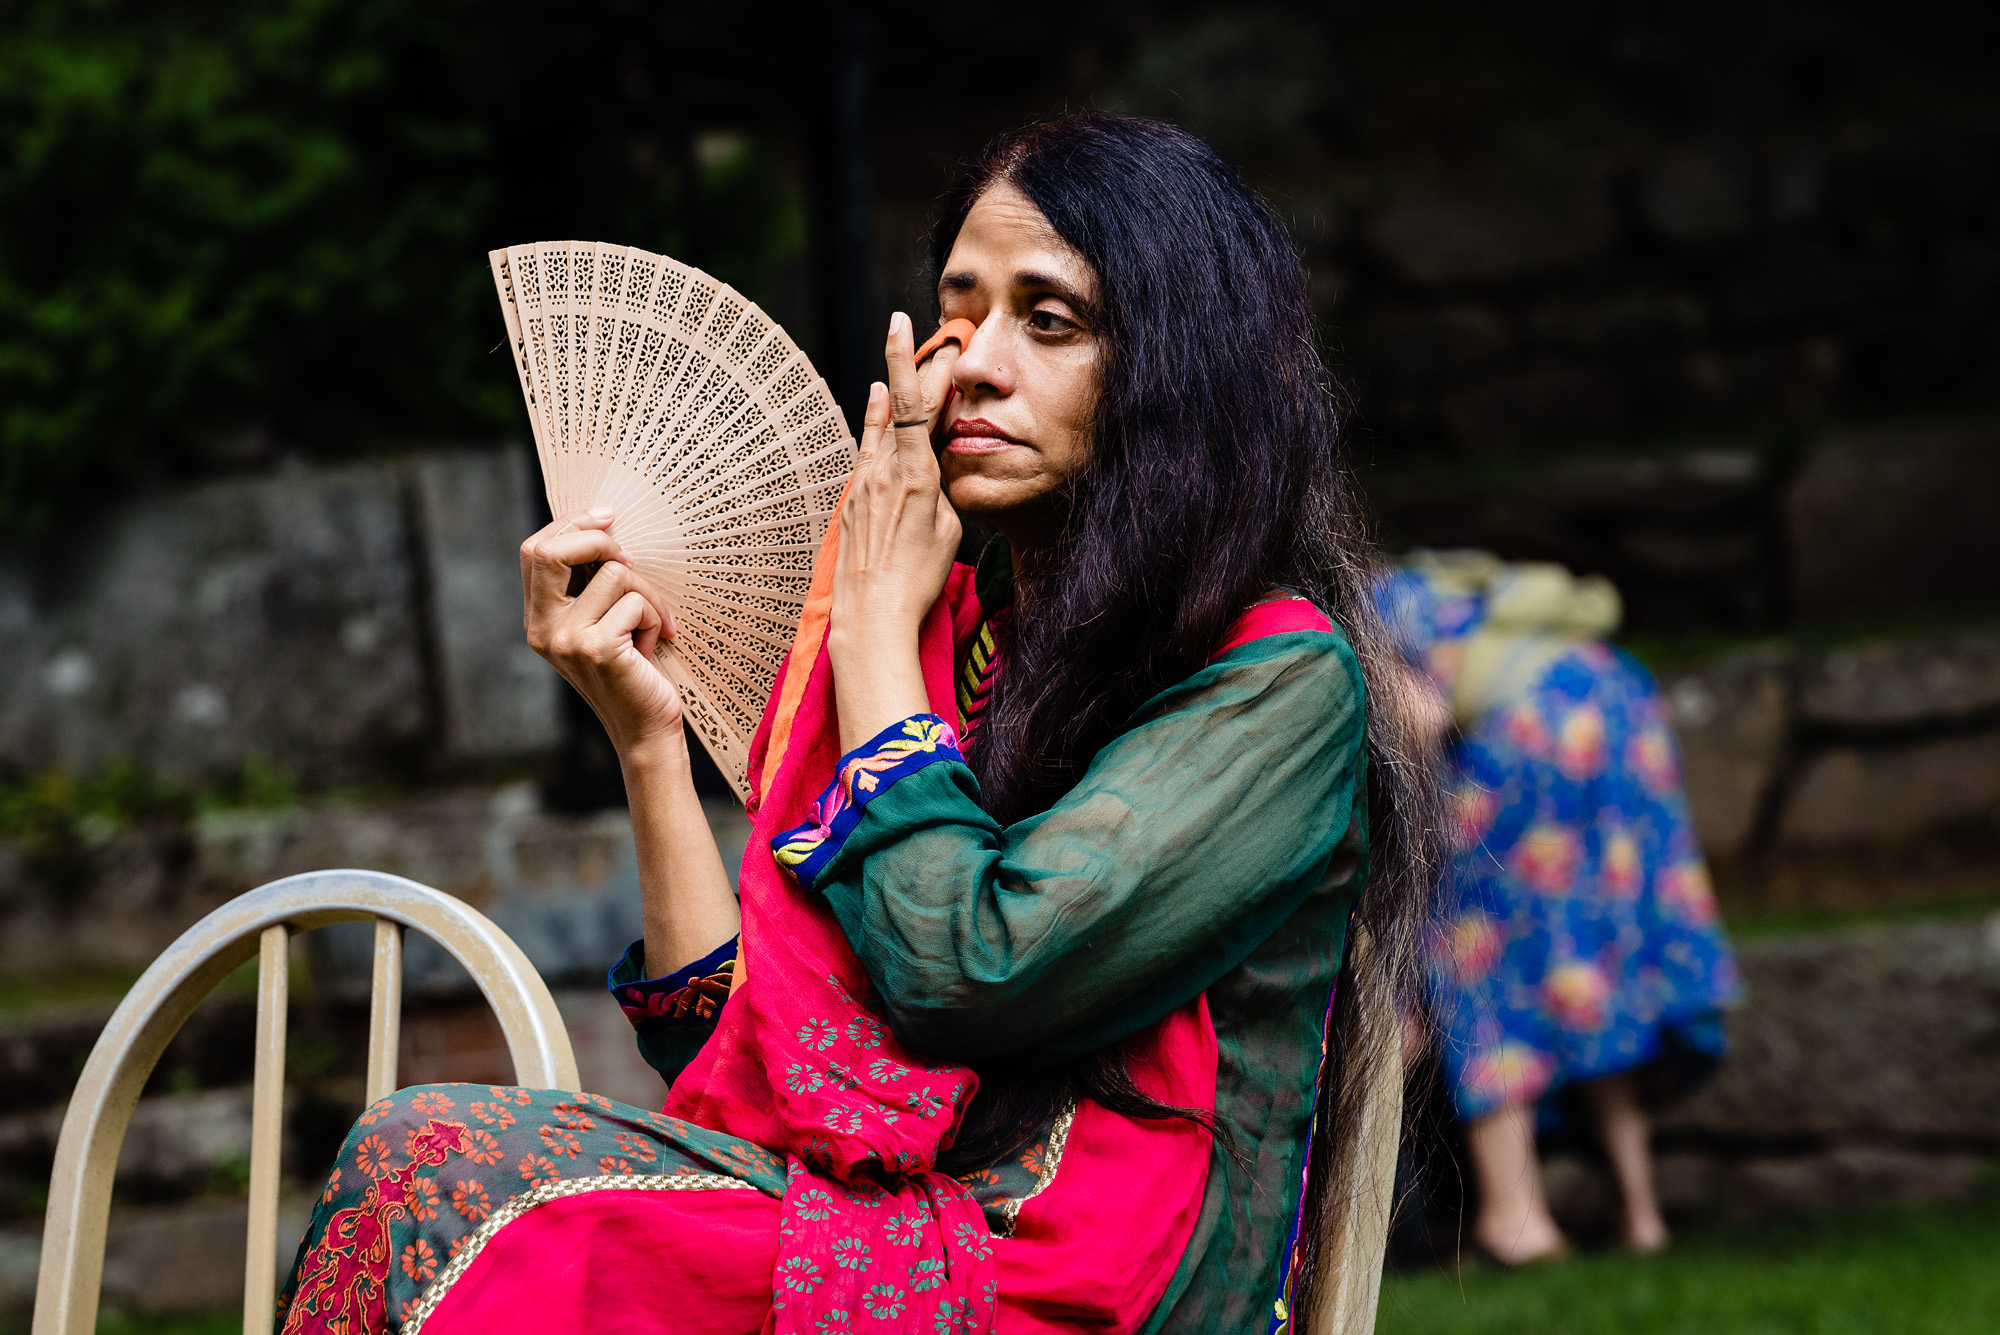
x=564, y=886
x=173, y=1258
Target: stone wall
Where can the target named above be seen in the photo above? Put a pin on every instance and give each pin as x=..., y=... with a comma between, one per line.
x=349, y=624
x=1869, y=743
x=564, y=885
x=1892, y=522
x=1871, y=558
x=1664, y=290
x=1863, y=1068
x=357, y=630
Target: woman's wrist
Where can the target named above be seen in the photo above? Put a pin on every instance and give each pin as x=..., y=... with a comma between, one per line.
x=662, y=755
x=875, y=686
x=873, y=636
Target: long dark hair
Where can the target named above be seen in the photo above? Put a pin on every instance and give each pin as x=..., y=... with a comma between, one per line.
x=1215, y=473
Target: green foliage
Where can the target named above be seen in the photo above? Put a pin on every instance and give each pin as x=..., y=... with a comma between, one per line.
x=1908, y=1271
x=23, y=992
x=220, y=219
x=231, y=1177
x=258, y=785
x=59, y=822
x=229, y=226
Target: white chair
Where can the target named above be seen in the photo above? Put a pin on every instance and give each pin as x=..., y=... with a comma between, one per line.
x=261, y=923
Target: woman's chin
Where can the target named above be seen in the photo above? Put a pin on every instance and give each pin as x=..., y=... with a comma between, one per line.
x=991, y=497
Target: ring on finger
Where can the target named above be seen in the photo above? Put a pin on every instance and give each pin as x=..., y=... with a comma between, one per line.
x=914, y=421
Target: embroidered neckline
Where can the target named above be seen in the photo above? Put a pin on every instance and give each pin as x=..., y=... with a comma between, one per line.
x=976, y=676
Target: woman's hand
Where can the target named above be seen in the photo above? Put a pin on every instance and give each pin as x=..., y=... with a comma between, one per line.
x=934, y=385
x=898, y=535
x=602, y=640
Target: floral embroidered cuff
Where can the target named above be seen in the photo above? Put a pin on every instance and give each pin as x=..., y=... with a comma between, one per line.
x=685, y=998
x=865, y=773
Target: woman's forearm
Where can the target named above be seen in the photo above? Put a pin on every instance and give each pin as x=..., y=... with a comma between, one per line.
x=688, y=906
x=897, y=538
x=877, y=679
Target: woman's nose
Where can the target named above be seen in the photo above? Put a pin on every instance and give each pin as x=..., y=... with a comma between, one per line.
x=982, y=366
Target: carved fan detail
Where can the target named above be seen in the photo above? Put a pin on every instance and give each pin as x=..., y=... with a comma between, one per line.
x=669, y=397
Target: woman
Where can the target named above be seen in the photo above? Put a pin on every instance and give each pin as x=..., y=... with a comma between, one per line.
x=1582, y=950
x=1020, y=1019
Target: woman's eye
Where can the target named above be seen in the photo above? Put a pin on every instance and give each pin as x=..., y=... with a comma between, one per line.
x=1048, y=322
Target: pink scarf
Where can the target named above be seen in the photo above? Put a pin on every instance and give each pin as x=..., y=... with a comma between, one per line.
x=803, y=1063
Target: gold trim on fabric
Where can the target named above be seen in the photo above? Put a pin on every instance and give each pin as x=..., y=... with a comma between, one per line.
x=1052, y=1160
x=476, y=1241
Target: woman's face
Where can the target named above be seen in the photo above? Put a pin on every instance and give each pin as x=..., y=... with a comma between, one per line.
x=1027, y=383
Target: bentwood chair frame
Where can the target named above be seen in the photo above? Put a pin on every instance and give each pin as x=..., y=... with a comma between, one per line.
x=261, y=923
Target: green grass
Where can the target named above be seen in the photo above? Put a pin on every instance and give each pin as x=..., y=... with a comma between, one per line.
x=1933, y=1271
x=1673, y=653
x=1930, y=1271
x=23, y=992
x=1752, y=921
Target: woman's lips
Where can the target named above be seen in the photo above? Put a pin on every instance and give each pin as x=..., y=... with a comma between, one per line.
x=976, y=435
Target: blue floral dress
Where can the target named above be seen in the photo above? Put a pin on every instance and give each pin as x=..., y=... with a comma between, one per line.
x=1581, y=938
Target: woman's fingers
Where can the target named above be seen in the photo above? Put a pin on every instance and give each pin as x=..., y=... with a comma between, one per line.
x=612, y=581
x=934, y=378
x=633, y=620
x=548, y=557
x=606, y=604
x=907, y=415
x=591, y=638
x=582, y=547
x=874, y=421
x=598, y=518
x=576, y=519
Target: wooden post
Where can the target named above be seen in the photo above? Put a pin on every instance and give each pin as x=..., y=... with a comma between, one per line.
x=267, y=1127
x=385, y=1010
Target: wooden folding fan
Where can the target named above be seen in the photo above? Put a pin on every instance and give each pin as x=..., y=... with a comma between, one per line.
x=670, y=398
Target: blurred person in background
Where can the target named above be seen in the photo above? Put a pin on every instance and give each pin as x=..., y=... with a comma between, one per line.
x=1580, y=953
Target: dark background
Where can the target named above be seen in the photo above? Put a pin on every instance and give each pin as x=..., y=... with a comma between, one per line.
x=1702, y=297
x=1545, y=240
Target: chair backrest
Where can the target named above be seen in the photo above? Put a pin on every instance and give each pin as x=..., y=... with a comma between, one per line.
x=1357, y=1227
x=261, y=923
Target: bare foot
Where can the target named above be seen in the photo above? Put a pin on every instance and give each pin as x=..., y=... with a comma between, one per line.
x=1522, y=1243
x=1647, y=1236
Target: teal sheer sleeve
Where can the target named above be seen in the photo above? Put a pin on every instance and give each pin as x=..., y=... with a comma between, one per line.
x=1189, y=842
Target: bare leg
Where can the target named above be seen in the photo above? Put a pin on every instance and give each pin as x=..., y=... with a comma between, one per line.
x=1627, y=1140
x=1514, y=1222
